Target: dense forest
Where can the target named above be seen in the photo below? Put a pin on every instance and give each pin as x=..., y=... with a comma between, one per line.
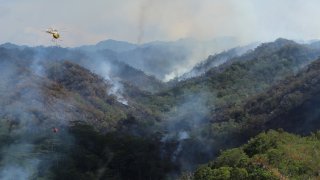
x=269, y=155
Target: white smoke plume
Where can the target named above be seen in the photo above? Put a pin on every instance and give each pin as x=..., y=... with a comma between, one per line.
x=182, y=125
x=100, y=66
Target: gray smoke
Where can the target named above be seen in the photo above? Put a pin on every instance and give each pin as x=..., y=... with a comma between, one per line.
x=103, y=69
x=182, y=126
x=143, y=14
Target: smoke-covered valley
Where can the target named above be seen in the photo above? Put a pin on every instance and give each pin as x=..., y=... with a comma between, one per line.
x=106, y=111
x=166, y=60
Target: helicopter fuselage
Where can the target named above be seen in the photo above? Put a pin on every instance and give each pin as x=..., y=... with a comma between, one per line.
x=54, y=34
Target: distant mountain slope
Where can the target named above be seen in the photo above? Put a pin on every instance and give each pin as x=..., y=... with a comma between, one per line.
x=216, y=60
x=116, y=46
x=162, y=59
x=12, y=46
x=165, y=60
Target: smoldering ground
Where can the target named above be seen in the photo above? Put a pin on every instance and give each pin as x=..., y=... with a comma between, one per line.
x=182, y=128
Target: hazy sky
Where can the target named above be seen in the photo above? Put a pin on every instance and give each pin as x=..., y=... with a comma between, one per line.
x=90, y=21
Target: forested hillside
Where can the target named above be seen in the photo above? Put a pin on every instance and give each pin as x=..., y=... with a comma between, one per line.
x=270, y=155
x=103, y=119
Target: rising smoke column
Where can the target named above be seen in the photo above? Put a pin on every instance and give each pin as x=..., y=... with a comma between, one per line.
x=142, y=17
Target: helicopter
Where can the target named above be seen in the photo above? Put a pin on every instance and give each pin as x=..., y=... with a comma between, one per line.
x=55, y=34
